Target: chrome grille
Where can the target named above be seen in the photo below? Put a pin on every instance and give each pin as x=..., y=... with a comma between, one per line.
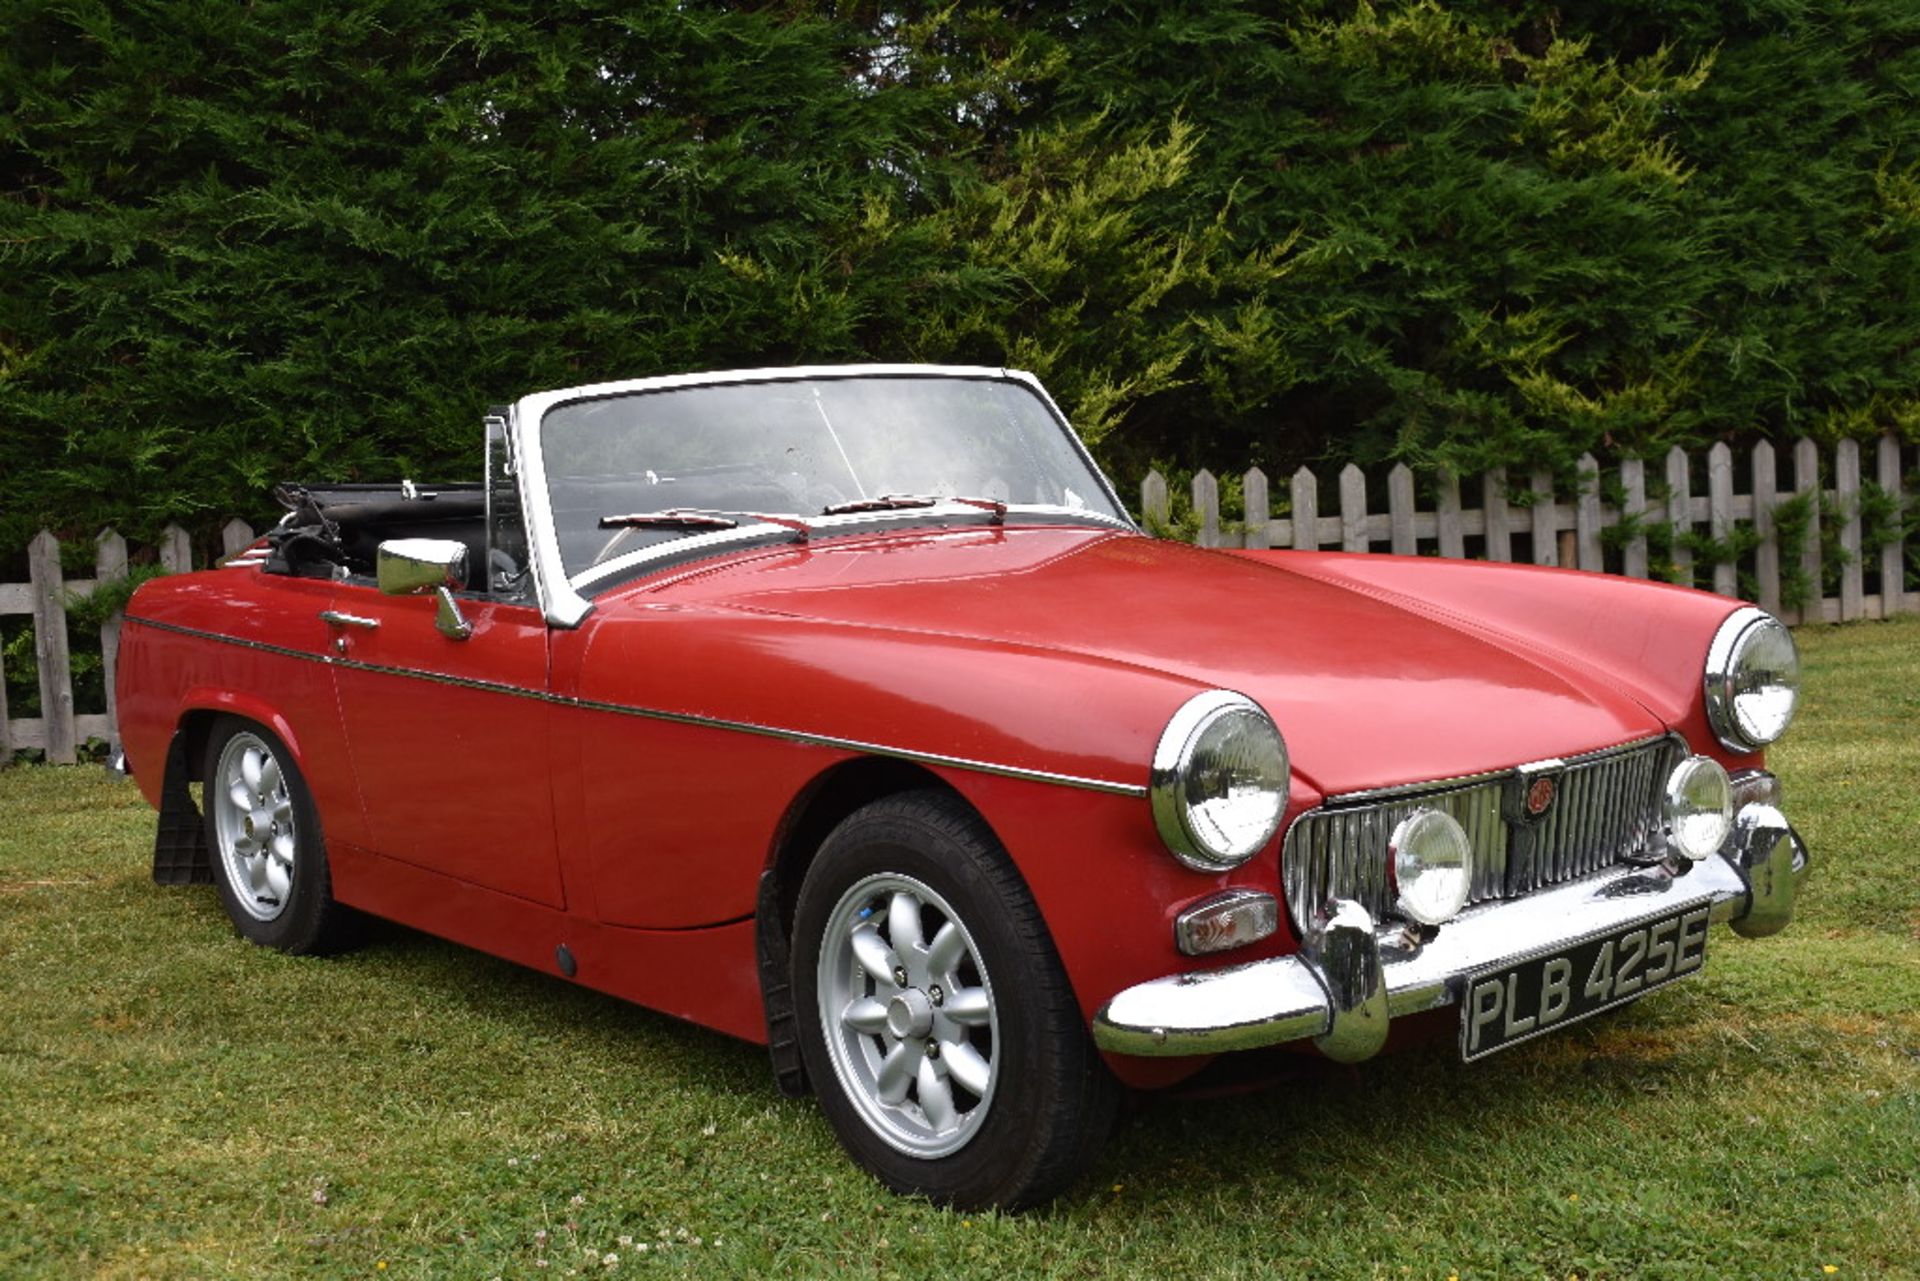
x=1607, y=809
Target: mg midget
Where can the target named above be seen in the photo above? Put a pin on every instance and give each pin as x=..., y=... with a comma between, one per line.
x=846, y=711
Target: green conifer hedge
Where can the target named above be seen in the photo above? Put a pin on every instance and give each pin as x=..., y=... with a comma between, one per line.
x=315, y=238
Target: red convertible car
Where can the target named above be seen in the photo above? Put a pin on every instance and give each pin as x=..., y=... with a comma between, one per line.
x=846, y=711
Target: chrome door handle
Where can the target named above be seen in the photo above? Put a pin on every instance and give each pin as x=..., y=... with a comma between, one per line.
x=335, y=618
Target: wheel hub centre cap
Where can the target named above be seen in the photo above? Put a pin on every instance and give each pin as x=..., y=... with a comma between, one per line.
x=910, y=1014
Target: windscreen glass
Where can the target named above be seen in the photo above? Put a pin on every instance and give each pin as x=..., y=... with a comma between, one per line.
x=629, y=472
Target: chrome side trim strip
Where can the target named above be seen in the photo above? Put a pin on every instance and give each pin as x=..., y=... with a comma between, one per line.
x=1108, y=786
x=870, y=749
x=262, y=646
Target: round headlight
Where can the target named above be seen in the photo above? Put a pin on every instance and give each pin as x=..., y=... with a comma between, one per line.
x=1432, y=866
x=1753, y=680
x=1698, y=807
x=1219, y=784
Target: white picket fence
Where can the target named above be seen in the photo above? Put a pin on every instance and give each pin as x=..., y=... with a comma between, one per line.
x=1561, y=529
x=1547, y=526
x=59, y=731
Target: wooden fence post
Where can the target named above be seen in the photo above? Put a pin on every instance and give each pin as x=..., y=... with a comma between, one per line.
x=1766, y=557
x=1493, y=501
x=1726, y=574
x=1633, y=479
x=1587, y=516
x=109, y=565
x=236, y=534
x=1846, y=498
x=176, y=550
x=1546, y=537
x=1256, y=508
x=1206, y=505
x=1806, y=480
x=6, y=733
x=1893, y=554
x=1453, y=536
x=50, y=647
x=1400, y=503
x=1154, y=506
x=1680, y=513
x=1305, y=493
x=1353, y=509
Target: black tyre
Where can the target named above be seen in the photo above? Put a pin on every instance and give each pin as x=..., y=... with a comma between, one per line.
x=263, y=840
x=936, y=1022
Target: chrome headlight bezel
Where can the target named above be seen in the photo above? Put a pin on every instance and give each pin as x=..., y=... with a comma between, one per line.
x=1187, y=734
x=1733, y=644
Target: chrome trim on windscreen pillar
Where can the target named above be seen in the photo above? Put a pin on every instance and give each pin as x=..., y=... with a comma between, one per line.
x=1032, y=383
x=559, y=603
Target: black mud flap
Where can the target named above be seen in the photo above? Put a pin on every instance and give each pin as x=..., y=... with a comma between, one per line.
x=776, y=992
x=180, y=840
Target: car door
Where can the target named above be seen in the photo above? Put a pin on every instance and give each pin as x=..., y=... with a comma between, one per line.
x=450, y=738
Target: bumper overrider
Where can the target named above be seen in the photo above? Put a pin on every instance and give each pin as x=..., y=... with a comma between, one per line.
x=1352, y=977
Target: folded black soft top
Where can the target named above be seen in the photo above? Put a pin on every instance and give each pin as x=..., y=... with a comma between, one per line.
x=333, y=530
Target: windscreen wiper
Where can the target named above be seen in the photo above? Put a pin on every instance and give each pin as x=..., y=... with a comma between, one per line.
x=689, y=518
x=673, y=518
x=897, y=502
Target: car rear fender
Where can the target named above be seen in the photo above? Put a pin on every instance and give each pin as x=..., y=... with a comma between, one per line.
x=179, y=839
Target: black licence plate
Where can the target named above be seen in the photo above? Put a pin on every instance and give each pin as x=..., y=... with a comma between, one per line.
x=1549, y=990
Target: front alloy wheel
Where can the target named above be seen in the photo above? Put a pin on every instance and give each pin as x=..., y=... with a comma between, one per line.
x=936, y=1021
x=908, y=1013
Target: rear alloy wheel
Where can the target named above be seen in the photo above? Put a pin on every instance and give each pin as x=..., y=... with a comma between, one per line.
x=936, y=1022
x=269, y=863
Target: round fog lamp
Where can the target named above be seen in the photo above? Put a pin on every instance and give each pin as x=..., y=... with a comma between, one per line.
x=1432, y=865
x=1698, y=807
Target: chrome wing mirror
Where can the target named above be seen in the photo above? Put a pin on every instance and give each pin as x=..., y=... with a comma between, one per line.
x=415, y=566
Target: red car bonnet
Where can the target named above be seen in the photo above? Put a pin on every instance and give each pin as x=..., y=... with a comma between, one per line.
x=1367, y=693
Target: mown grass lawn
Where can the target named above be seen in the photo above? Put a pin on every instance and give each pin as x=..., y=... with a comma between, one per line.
x=175, y=1102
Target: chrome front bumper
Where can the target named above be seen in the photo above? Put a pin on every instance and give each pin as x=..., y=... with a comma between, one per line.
x=1352, y=978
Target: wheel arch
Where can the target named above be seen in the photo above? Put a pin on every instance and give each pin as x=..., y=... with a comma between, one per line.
x=821, y=806
x=180, y=855
x=204, y=707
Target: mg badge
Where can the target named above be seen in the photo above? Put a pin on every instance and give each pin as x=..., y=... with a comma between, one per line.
x=1529, y=794
x=1540, y=796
